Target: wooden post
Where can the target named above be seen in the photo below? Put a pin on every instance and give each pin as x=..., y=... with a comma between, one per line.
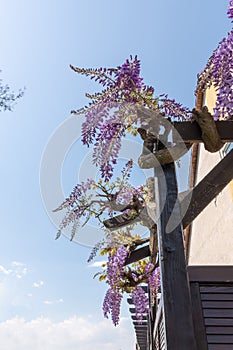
x=177, y=311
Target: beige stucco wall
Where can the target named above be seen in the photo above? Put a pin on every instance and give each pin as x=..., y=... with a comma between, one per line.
x=211, y=241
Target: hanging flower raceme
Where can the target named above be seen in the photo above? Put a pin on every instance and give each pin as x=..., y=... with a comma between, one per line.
x=140, y=302
x=112, y=305
x=115, y=270
x=115, y=266
x=153, y=281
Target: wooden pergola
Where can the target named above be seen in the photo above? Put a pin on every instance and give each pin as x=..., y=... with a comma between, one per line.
x=172, y=325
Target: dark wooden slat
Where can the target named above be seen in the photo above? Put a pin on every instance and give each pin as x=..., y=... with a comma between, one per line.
x=228, y=313
x=219, y=322
x=135, y=319
x=220, y=347
x=220, y=339
x=174, y=283
x=145, y=289
x=217, y=297
x=145, y=328
x=217, y=304
x=198, y=320
x=141, y=324
x=138, y=254
x=191, y=132
x=212, y=274
x=133, y=310
x=216, y=289
x=120, y=221
x=219, y=330
x=212, y=184
x=143, y=332
x=142, y=345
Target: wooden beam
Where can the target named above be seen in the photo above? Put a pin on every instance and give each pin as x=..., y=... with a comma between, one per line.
x=121, y=220
x=191, y=132
x=211, y=274
x=199, y=198
x=177, y=311
x=138, y=254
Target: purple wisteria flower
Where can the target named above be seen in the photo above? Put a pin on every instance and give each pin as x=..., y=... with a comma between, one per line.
x=126, y=195
x=219, y=73
x=141, y=302
x=113, y=297
x=95, y=249
x=153, y=280
x=174, y=109
x=230, y=9
x=154, y=277
x=222, y=76
x=112, y=304
x=115, y=265
x=114, y=109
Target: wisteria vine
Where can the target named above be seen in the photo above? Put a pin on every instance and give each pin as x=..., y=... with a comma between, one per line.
x=98, y=198
x=219, y=73
x=110, y=115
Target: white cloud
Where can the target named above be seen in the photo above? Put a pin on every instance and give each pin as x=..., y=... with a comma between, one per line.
x=17, y=269
x=51, y=302
x=4, y=270
x=97, y=264
x=17, y=263
x=73, y=333
x=38, y=284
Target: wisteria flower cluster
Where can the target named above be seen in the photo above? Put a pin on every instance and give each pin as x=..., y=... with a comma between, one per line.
x=112, y=112
x=98, y=199
x=123, y=279
x=219, y=73
x=153, y=281
x=140, y=301
x=115, y=270
x=109, y=116
x=230, y=9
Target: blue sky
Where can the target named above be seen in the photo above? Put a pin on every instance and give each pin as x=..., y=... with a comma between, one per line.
x=46, y=287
